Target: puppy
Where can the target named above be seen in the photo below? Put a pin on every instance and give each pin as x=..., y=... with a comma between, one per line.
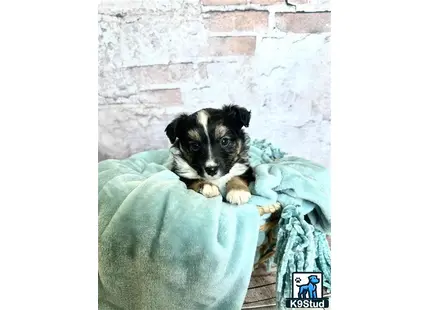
x=210, y=152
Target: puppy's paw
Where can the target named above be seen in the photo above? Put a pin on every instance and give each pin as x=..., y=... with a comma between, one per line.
x=210, y=190
x=238, y=196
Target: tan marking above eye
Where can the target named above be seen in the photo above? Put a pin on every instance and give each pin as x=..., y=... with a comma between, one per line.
x=220, y=131
x=194, y=134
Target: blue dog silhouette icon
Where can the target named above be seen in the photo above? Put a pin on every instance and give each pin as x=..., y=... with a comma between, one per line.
x=309, y=289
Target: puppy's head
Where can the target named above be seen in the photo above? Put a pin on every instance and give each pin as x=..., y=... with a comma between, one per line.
x=209, y=142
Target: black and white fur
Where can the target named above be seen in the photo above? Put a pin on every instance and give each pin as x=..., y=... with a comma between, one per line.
x=209, y=151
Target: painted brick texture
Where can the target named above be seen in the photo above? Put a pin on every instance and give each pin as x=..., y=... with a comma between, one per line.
x=303, y=22
x=238, y=21
x=266, y=2
x=230, y=46
x=223, y=2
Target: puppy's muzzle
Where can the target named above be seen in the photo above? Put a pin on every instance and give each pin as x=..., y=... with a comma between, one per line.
x=212, y=170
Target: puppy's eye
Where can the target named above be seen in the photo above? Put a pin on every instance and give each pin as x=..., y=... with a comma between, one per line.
x=225, y=142
x=194, y=146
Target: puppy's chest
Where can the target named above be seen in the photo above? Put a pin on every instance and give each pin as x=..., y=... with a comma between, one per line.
x=221, y=183
x=237, y=170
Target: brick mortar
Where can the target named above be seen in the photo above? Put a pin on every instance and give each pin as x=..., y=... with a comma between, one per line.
x=258, y=42
x=197, y=60
x=246, y=7
x=234, y=33
x=133, y=105
x=271, y=21
x=146, y=105
x=160, y=86
x=148, y=88
x=111, y=10
x=165, y=64
x=310, y=8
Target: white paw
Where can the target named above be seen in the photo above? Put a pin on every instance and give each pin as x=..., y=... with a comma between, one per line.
x=210, y=190
x=238, y=196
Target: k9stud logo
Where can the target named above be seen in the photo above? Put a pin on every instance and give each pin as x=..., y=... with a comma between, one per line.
x=307, y=291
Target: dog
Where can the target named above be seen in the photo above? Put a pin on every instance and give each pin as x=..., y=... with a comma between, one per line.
x=210, y=152
x=310, y=288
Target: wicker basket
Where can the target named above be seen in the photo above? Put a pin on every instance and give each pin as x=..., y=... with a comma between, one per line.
x=266, y=245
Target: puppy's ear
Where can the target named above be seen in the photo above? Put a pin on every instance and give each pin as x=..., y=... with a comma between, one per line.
x=239, y=115
x=173, y=128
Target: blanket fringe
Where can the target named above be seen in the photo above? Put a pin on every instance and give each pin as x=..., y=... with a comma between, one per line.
x=323, y=260
x=299, y=248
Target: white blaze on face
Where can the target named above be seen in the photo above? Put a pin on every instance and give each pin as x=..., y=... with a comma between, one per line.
x=202, y=119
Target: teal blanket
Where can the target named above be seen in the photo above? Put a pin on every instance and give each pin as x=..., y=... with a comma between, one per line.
x=162, y=246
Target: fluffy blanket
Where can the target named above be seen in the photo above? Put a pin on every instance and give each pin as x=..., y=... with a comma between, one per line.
x=162, y=246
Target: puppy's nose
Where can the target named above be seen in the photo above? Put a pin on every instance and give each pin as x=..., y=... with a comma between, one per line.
x=212, y=170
